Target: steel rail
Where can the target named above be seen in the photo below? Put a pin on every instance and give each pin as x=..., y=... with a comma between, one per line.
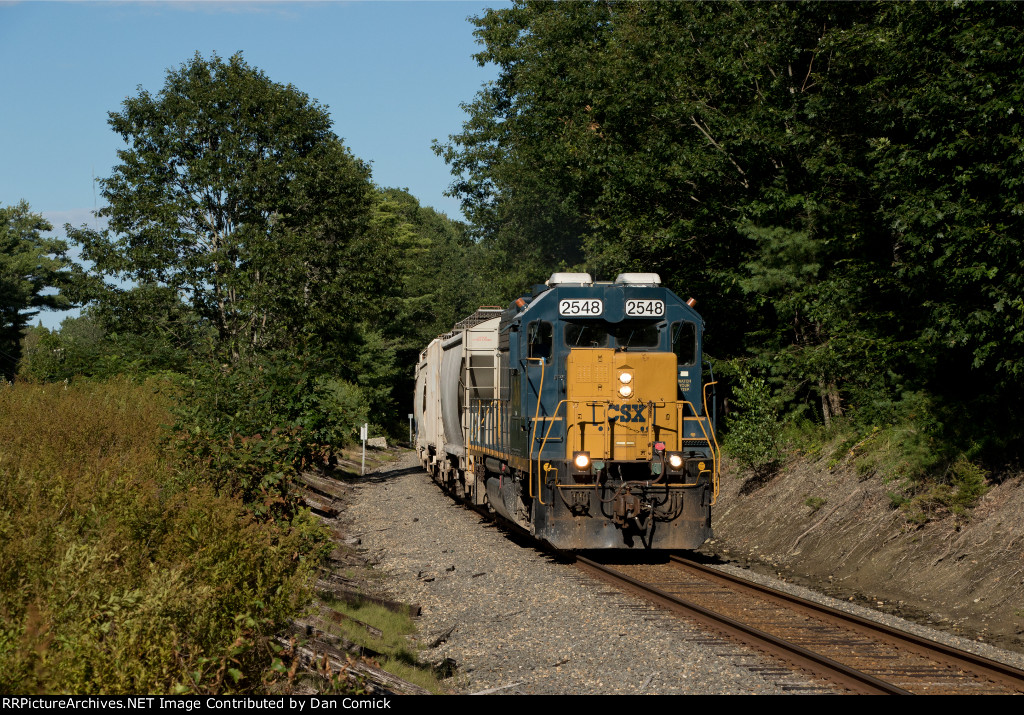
x=999, y=673
x=815, y=663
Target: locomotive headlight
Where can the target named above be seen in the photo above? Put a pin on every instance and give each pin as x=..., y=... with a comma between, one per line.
x=625, y=378
x=675, y=461
x=625, y=390
x=581, y=468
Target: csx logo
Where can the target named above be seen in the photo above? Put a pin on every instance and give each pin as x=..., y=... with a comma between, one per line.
x=627, y=413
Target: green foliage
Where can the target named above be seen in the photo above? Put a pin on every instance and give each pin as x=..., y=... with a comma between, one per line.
x=908, y=446
x=247, y=249
x=815, y=503
x=911, y=451
x=115, y=576
x=374, y=370
x=235, y=207
x=897, y=500
x=396, y=655
x=242, y=429
x=945, y=164
x=753, y=429
x=249, y=427
x=249, y=236
x=83, y=347
x=443, y=278
x=343, y=409
x=968, y=482
x=30, y=264
x=964, y=485
x=837, y=183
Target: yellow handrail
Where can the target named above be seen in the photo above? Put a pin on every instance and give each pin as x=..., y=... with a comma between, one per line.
x=545, y=441
x=715, y=452
x=533, y=435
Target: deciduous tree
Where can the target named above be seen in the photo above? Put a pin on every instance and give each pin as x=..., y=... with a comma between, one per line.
x=236, y=201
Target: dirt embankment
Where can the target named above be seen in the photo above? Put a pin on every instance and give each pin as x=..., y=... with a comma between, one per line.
x=837, y=532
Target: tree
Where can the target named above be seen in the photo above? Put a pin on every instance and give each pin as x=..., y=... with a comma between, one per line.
x=687, y=138
x=236, y=208
x=946, y=156
x=30, y=266
x=442, y=278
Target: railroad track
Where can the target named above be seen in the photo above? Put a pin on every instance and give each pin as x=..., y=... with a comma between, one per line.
x=851, y=652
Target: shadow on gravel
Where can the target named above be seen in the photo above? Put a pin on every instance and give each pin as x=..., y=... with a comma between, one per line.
x=376, y=477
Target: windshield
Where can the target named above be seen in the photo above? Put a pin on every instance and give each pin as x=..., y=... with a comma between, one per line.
x=586, y=334
x=631, y=334
x=634, y=334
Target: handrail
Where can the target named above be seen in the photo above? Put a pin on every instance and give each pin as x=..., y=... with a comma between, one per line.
x=718, y=450
x=545, y=441
x=533, y=437
x=715, y=452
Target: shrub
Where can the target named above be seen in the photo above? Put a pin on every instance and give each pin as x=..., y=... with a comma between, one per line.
x=115, y=575
x=753, y=429
x=248, y=428
x=969, y=483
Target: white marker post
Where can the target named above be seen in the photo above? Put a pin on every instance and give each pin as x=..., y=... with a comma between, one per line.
x=410, y=429
x=364, y=433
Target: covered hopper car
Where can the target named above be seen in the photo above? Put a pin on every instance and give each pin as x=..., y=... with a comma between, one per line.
x=578, y=414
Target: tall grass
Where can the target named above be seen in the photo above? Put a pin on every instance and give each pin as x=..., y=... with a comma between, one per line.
x=118, y=573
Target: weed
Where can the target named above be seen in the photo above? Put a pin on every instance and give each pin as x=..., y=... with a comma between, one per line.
x=815, y=503
x=970, y=483
x=840, y=452
x=965, y=484
x=866, y=466
x=397, y=656
x=896, y=500
x=804, y=436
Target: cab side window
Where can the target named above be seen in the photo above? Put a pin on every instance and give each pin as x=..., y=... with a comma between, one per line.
x=684, y=342
x=540, y=337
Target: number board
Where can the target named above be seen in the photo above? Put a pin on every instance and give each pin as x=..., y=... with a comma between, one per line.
x=581, y=307
x=645, y=308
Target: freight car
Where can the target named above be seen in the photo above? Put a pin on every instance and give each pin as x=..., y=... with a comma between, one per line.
x=578, y=414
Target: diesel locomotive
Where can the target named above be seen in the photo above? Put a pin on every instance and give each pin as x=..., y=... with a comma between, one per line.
x=578, y=414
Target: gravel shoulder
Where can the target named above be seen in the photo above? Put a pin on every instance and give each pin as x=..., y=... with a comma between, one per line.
x=516, y=621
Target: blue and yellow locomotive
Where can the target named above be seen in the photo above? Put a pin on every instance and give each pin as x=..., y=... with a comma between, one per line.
x=578, y=414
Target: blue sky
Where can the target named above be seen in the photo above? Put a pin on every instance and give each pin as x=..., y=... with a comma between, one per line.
x=392, y=74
